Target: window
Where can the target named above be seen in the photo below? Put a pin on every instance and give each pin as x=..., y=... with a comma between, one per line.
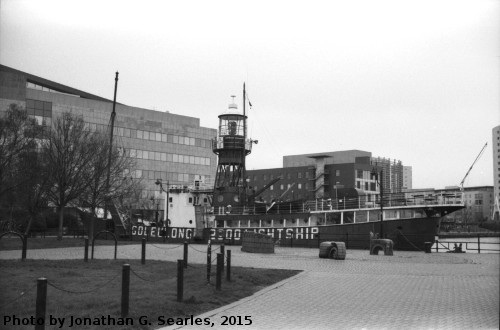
x=299, y=175
x=282, y=187
x=337, y=172
x=270, y=188
x=299, y=186
x=140, y=134
x=163, y=137
x=163, y=157
x=175, y=139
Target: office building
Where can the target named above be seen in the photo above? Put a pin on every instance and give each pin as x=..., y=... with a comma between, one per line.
x=496, y=171
x=167, y=146
x=326, y=175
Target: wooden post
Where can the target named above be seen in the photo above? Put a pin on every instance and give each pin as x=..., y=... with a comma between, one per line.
x=223, y=252
x=143, y=251
x=220, y=264
x=180, y=279
x=41, y=303
x=228, y=267
x=25, y=247
x=125, y=289
x=185, y=254
x=209, y=260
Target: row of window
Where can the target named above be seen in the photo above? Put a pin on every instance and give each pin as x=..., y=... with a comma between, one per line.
x=166, y=157
x=172, y=177
x=42, y=112
x=43, y=88
x=288, y=186
x=153, y=136
x=298, y=175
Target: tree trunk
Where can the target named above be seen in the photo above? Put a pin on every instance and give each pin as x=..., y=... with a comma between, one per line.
x=28, y=226
x=91, y=227
x=61, y=218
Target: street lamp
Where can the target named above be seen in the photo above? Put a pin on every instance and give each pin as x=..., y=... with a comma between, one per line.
x=375, y=173
x=165, y=214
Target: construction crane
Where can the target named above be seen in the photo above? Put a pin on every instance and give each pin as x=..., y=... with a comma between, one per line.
x=475, y=160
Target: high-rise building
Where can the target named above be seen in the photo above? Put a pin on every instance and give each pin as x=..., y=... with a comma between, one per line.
x=496, y=171
x=407, y=177
x=392, y=177
x=166, y=146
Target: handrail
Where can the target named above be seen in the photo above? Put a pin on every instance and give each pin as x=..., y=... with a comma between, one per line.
x=362, y=202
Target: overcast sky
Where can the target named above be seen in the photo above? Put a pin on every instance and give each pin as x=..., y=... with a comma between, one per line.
x=416, y=81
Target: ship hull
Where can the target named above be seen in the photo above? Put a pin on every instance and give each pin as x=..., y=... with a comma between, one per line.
x=407, y=234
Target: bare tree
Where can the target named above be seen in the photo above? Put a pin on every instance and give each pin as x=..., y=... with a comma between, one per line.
x=17, y=136
x=120, y=186
x=69, y=153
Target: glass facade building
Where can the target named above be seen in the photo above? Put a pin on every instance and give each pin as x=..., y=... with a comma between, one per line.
x=166, y=146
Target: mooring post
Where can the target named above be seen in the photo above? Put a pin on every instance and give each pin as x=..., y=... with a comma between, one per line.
x=185, y=254
x=220, y=264
x=228, y=267
x=41, y=303
x=25, y=248
x=209, y=260
x=223, y=252
x=125, y=289
x=180, y=279
x=143, y=252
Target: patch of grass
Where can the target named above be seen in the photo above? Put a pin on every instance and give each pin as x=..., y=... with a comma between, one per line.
x=15, y=243
x=78, y=289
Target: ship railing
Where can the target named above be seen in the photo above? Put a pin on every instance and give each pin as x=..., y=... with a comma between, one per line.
x=262, y=209
x=390, y=200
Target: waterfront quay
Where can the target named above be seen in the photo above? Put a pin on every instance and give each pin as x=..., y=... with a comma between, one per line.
x=411, y=290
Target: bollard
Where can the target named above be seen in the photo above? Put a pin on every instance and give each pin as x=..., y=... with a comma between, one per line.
x=25, y=247
x=125, y=289
x=427, y=247
x=180, y=279
x=222, y=251
x=228, y=267
x=41, y=303
x=209, y=260
x=437, y=245
x=143, y=252
x=478, y=244
x=220, y=264
x=185, y=254
x=86, y=253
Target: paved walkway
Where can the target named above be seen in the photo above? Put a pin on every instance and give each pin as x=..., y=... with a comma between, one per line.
x=410, y=290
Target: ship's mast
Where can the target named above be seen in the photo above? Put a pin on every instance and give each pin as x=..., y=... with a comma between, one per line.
x=244, y=141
